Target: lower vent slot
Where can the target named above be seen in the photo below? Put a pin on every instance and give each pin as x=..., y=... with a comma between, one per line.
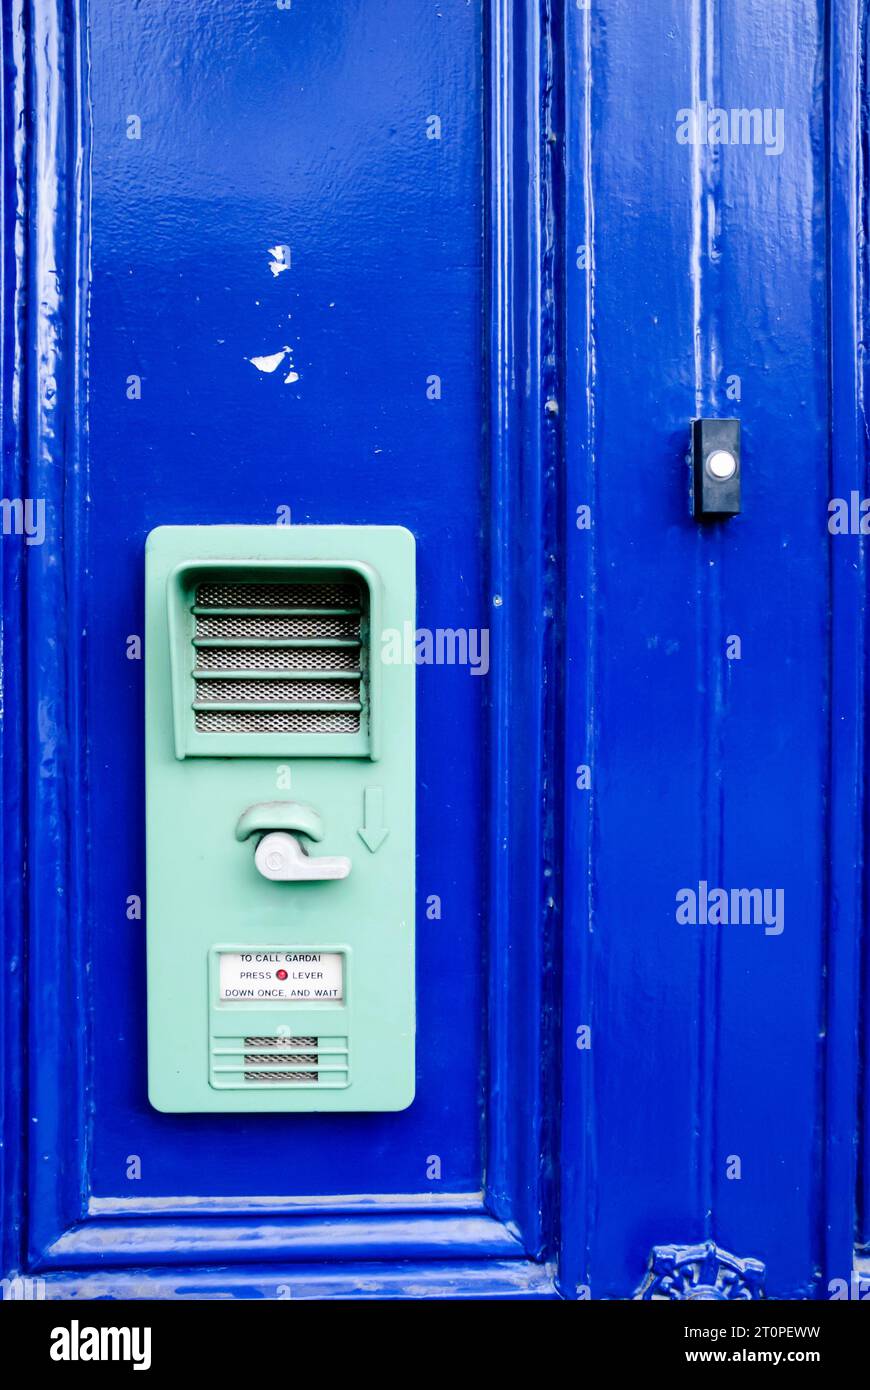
x=277, y=721
x=277, y=1076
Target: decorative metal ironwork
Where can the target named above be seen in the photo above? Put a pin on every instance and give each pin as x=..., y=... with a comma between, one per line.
x=700, y=1272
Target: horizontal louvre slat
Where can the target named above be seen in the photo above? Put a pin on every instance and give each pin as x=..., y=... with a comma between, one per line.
x=275, y=612
x=280, y=1064
x=331, y=677
x=277, y=643
x=235, y=1047
x=337, y=705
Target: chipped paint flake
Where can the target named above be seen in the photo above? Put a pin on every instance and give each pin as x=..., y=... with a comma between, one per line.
x=271, y=362
x=280, y=259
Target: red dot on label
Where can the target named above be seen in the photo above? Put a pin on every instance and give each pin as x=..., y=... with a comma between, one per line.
x=281, y=974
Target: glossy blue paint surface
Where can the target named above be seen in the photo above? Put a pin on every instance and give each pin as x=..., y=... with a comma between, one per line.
x=709, y=1044
x=308, y=129
x=583, y=285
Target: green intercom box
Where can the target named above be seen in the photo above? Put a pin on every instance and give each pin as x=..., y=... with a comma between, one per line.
x=280, y=745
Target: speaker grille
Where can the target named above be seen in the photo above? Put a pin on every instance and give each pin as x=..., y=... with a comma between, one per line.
x=278, y=1053
x=246, y=636
x=277, y=1061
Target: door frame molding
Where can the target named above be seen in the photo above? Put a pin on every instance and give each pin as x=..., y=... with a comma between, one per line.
x=845, y=931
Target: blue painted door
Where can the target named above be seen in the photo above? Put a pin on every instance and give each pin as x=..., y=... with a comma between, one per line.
x=469, y=267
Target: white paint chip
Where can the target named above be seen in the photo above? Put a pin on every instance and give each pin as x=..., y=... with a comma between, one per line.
x=271, y=362
x=290, y=378
x=280, y=259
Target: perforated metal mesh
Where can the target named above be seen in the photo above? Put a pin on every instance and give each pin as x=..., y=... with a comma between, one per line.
x=278, y=627
x=253, y=625
x=304, y=1059
x=314, y=721
x=277, y=659
x=281, y=1076
x=308, y=1043
x=338, y=595
x=292, y=691
x=274, y=1076
x=278, y=1052
x=270, y=1060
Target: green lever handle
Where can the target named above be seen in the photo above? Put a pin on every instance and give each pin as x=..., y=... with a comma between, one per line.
x=280, y=815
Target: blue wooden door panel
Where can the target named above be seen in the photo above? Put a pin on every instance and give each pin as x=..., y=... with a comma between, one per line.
x=697, y=285
x=500, y=288
x=264, y=128
x=164, y=259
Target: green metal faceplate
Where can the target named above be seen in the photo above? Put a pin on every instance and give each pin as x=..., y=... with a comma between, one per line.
x=205, y=893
